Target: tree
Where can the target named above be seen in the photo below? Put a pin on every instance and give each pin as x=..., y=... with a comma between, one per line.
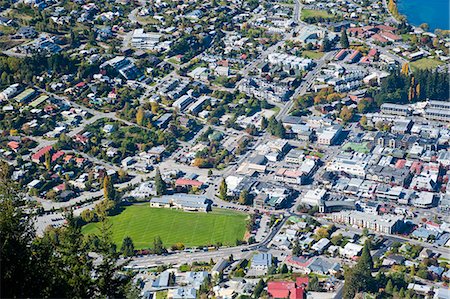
x=363, y=121
x=160, y=184
x=140, y=115
x=405, y=69
x=127, y=248
x=109, y=191
x=346, y=114
x=259, y=288
x=108, y=283
x=313, y=284
x=284, y=269
x=88, y=215
x=244, y=198
x=263, y=123
x=359, y=278
x=389, y=287
x=158, y=247
x=344, y=39
x=223, y=189
x=326, y=44
x=48, y=161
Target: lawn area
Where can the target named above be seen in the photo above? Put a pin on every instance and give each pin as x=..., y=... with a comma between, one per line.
x=143, y=223
x=308, y=13
x=312, y=54
x=425, y=63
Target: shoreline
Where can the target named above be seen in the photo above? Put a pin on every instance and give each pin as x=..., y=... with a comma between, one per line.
x=399, y=17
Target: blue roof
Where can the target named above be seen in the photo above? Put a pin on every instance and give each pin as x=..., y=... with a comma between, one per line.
x=442, y=239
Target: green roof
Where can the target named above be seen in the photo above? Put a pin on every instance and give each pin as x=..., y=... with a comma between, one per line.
x=24, y=95
x=358, y=147
x=39, y=101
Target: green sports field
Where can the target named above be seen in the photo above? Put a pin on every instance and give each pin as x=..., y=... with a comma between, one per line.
x=143, y=223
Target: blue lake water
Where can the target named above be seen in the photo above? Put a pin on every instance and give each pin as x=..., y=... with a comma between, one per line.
x=433, y=12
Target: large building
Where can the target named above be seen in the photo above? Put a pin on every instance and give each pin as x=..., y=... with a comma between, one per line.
x=187, y=202
x=329, y=135
x=394, y=109
x=387, y=224
x=144, y=41
x=438, y=111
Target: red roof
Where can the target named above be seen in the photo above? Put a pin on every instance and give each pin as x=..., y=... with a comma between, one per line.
x=57, y=155
x=386, y=27
x=60, y=187
x=400, y=163
x=186, y=182
x=81, y=138
x=341, y=53
x=285, y=289
x=391, y=36
x=372, y=52
x=379, y=38
x=14, y=145
x=302, y=281
x=40, y=153
x=280, y=289
x=81, y=84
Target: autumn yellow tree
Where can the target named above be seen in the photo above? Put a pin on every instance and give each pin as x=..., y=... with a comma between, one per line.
x=140, y=116
x=405, y=69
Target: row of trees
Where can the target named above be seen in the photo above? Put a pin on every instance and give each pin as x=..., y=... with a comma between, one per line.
x=404, y=87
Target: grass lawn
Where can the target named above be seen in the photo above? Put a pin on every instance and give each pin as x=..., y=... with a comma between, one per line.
x=425, y=63
x=161, y=295
x=312, y=54
x=143, y=223
x=307, y=13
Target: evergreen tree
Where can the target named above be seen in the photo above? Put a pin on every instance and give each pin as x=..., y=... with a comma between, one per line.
x=108, y=283
x=259, y=288
x=359, y=278
x=313, y=284
x=160, y=184
x=344, y=39
x=284, y=269
x=389, y=287
x=263, y=123
x=109, y=191
x=48, y=161
x=158, y=247
x=127, y=248
x=223, y=189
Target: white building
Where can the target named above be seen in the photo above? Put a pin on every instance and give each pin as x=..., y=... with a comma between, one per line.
x=144, y=41
x=329, y=135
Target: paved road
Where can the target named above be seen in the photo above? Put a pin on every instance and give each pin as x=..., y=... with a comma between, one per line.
x=238, y=252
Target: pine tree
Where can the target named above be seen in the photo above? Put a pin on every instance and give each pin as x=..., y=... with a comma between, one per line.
x=223, y=189
x=263, y=123
x=389, y=287
x=127, y=248
x=108, y=188
x=48, y=161
x=160, y=184
x=158, y=247
x=344, y=39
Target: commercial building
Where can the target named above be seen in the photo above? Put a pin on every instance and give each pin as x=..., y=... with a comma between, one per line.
x=394, y=109
x=387, y=224
x=329, y=135
x=144, y=41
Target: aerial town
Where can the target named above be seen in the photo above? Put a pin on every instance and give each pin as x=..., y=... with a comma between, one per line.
x=223, y=149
